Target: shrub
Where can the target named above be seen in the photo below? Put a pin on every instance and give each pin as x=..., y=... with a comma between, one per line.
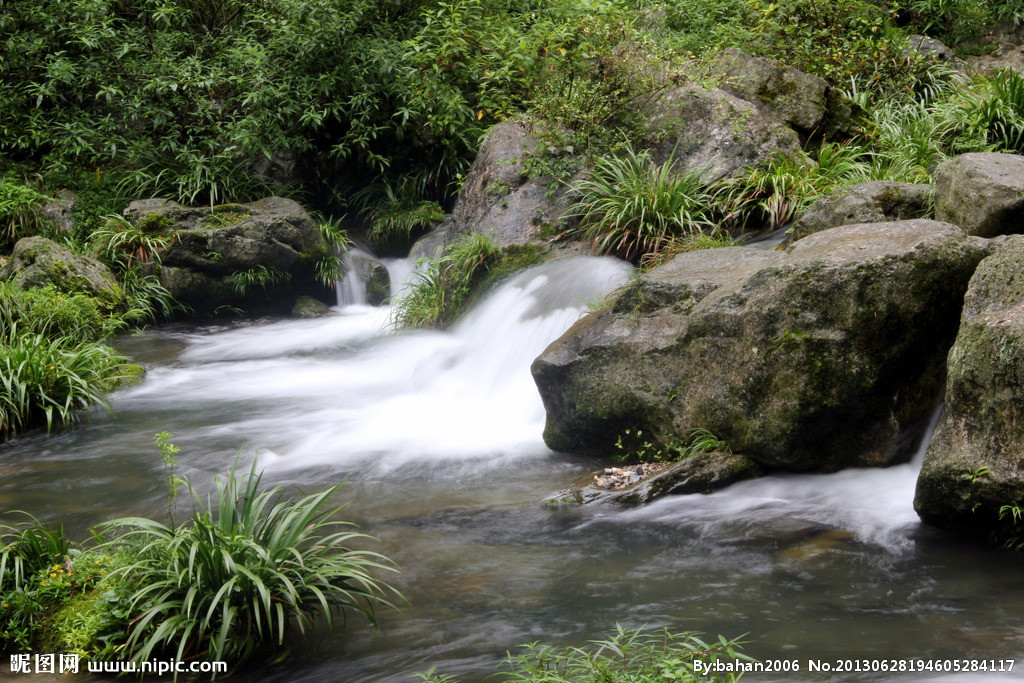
x=772, y=196
x=631, y=207
x=244, y=570
x=19, y=211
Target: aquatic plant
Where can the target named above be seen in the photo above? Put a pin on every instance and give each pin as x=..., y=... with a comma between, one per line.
x=242, y=572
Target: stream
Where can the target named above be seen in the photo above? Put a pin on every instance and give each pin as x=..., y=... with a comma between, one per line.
x=438, y=435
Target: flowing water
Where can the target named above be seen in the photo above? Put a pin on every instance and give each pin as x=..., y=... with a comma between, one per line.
x=439, y=438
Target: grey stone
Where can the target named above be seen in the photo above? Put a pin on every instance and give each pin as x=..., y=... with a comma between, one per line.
x=983, y=193
x=878, y=201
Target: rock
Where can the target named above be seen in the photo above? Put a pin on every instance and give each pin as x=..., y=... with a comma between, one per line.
x=127, y=375
x=59, y=211
x=928, y=48
x=1008, y=39
x=810, y=360
x=38, y=262
x=983, y=193
x=701, y=473
x=878, y=201
x=974, y=463
x=805, y=102
x=714, y=131
x=308, y=307
x=225, y=254
x=502, y=199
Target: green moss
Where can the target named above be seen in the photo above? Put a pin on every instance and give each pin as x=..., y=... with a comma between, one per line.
x=155, y=223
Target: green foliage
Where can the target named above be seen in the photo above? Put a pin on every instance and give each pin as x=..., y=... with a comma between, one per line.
x=147, y=299
x=169, y=456
x=629, y=656
x=243, y=571
x=704, y=441
x=53, y=313
x=1015, y=513
x=441, y=290
x=950, y=20
x=632, y=446
x=49, y=379
x=27, y=548
x=260, y=277
x=330, y=268
x=19, y=211
x=631, y=207
x=120, y=243
x=771, y=196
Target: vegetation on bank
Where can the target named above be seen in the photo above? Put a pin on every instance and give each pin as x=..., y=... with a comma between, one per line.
x=239, y=579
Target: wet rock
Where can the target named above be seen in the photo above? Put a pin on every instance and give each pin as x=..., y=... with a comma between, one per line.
x=879, y=201
x=308, y=307
x=714, y=131
x=808, y=360
x=983, y=193
x=974, y=464
x=226, y=254
x=38, y=262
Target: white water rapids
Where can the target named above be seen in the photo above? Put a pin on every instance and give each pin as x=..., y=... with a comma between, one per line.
x=439, y=436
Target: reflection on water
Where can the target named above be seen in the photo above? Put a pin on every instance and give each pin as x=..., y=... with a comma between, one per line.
x=438, y=435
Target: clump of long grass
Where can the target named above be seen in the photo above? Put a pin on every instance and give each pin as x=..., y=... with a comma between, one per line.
x=245, y=570
x=631, y=207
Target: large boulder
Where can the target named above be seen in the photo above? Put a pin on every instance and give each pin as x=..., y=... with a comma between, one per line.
x=224, y=254
x=983, y=193
x=879, y=201
x=713, y=131
x=814, y=359
x=805, y=102
x=38, y=262
x=506, y=197
x=974, y=463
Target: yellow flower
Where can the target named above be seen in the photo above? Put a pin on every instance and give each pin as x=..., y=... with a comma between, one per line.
x=53, y=576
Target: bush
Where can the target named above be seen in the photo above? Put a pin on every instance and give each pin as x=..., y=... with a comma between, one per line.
x=631, y=207
x=244, y=570
x=19, y=211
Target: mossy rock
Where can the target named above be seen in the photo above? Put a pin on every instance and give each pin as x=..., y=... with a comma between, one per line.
x=814, y=359
x=38, y=262
x=973, y=465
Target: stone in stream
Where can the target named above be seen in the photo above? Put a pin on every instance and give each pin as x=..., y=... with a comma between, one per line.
x=975, y=462
x=814, y=359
